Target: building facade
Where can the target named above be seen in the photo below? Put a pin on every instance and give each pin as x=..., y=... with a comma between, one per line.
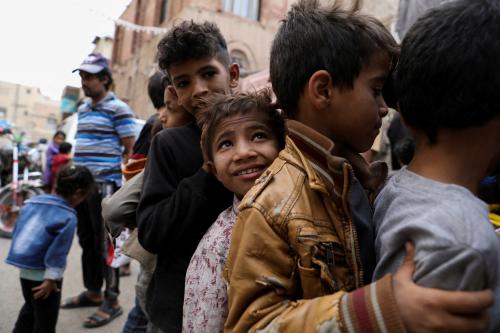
x=248, y=26
x=29, y=111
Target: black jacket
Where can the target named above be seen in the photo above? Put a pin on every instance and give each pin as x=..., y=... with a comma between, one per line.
x=179, y=201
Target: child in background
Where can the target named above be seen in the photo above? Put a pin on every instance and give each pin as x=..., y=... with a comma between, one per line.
x=60, y=160
x=241, y=137
x=52, y=150
x=448, y=81
x=41, y=241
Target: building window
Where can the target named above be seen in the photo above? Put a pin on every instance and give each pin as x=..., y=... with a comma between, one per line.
x=52, y=123
x=3, y=112
x=241, y=59
x=246, y=8
x=163, y=11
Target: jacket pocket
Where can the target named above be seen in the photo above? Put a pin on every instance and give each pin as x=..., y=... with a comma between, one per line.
x=309, y=281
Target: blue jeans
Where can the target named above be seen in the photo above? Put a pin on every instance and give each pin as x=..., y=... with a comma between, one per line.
x=136, y=320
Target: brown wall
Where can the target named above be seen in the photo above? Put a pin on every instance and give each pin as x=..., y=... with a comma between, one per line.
x=134, y=53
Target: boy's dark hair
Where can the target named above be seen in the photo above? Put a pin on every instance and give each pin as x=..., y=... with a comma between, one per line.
x=404, y=150
x=189, y=40
x=103, y=75
x=156, y=89
x=448, y=75
x=72, y=178
x=221, y=106
x=65, y=148
x=59, y=133
x=313, y=38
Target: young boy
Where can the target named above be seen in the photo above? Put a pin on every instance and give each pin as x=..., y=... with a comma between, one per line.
x=40, y=244
x=180, y=200
x=241, y=137
x=448, y=81
x=302, y=246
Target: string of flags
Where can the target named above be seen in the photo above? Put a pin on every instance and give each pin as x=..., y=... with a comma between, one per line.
x=132, y=26
x=140, y=28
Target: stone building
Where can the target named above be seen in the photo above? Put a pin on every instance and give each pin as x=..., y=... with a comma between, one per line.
x=248, y=26
x=28, y=110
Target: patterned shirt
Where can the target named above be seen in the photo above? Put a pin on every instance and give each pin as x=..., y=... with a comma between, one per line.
x=98, y=138
x=205, y=295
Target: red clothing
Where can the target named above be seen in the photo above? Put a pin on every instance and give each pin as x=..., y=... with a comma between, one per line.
x=58, y=161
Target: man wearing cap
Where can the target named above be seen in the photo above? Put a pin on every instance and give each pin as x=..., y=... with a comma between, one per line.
x=105, y=137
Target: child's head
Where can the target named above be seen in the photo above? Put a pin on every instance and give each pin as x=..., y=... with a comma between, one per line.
x=448, y=76
x=74, y=183
x=241, y=136
x=328, y=68
x=196, y=58
x=59, y=137
x=156, y=90
x=173, y=115
x=65, y=148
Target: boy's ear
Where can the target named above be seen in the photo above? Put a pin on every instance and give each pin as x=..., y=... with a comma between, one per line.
x=320, y=87
x=209, y=167
x=234, y=75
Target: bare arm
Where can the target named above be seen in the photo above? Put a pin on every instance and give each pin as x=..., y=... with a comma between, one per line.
x=128, y=143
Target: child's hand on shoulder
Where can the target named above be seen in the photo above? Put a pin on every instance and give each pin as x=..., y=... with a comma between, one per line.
x=45, y=289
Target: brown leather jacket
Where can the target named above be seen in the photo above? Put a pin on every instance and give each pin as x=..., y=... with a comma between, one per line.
x=294, y=258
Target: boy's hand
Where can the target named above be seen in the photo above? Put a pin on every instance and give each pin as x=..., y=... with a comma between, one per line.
x=44, y=290
x=434, y=310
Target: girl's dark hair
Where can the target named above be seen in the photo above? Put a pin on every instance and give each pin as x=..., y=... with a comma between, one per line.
x=65, y=148
x=313, y=38
x=189, y=40
x=59, y=133
x=72, y=178
x=219, y=107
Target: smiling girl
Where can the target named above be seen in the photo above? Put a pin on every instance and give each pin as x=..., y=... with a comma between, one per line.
x=242, y=135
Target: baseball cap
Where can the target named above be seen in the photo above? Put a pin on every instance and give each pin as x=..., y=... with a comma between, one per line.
x=93, y=63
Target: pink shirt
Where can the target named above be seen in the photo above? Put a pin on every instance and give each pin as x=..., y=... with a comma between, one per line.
x=205, y=294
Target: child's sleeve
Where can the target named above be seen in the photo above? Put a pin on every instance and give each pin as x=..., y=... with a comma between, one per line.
x=119, y=210
x=55, y=257
x=263, y=290
x=171, y=209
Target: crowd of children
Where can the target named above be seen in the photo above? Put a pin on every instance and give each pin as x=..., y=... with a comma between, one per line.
x=254, y=215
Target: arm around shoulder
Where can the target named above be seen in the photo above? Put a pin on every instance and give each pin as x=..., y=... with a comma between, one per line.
x=265, y=292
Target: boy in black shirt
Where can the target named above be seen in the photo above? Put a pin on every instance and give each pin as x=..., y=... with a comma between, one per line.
x=180, y=199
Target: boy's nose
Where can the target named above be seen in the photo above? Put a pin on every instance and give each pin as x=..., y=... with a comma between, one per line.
x=383, y=109
x=200, y=88
x=243, y=151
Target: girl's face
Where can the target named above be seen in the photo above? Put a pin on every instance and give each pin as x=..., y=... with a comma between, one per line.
x=243, y=147
x=58, y=139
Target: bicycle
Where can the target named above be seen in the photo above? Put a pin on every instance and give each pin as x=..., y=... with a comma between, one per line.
x=22, y=187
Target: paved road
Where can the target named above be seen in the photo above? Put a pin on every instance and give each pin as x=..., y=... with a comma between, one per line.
x=70, y=321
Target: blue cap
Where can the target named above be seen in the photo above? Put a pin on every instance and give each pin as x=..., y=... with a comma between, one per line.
x=93, y=64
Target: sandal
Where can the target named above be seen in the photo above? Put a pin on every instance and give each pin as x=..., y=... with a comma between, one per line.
x=80, y=301
x=97, y=320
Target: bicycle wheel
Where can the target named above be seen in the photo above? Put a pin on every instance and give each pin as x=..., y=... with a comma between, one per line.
x=9, y=210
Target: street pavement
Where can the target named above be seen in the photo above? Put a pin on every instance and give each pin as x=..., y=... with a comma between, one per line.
x=70, y=321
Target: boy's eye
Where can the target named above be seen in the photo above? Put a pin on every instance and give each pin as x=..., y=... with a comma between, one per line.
x=181, y=84
x=225, y=144
x=209, y=74
x=259, y=136
x=377, y=92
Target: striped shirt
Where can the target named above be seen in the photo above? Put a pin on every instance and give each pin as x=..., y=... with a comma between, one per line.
x=98, y=138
